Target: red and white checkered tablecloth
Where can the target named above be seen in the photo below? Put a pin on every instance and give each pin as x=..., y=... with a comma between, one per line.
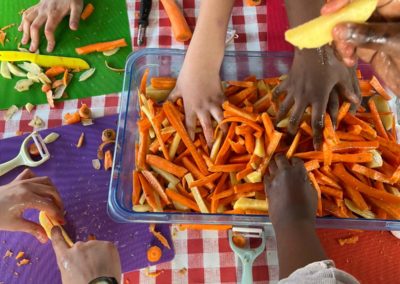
x=205, y=254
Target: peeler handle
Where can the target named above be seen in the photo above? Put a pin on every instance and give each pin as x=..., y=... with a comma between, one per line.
x=247, y=264
x=9, y=166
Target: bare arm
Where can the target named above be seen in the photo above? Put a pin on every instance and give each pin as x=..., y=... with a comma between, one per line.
x=199, y=83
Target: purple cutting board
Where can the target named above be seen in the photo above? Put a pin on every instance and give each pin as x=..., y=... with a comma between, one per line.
x=84, y=192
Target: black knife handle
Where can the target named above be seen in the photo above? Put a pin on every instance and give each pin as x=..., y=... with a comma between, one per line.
x=145, y=8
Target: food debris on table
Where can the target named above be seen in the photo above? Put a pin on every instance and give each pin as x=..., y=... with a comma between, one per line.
x=108, y=160
x=23, y=262
x=348, y=241
x=108, y=135
x=154, y=254
x=96, y=164
x=52, y=137
x=36, y=122
x=111, y=52
x=81, y=140
x=118, y=70
x=87, y=74
x=152, y=274
x=10, y=112
x=159, y=236
x=8, y=253
x=182, y=271
x=29, y=107
x=239, y=240
x=19, y=255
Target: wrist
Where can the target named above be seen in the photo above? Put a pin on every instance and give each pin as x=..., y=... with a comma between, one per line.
x=294, y=226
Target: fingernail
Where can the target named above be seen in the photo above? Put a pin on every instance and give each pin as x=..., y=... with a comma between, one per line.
x=342, y=32
x=23, y=41
x=74, y=26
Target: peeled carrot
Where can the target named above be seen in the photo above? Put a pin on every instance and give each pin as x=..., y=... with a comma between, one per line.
x=108, y=160
x=331, y=191
x=101, y=46
x=163, y=83
x=144, y=139
x=224, y=150
x=174, y=196
x=293, y=146
x=306, y=128
x=356, y=197
x=377, y=119
x=249, y=187
x=204, y=181
x=268, y=125
x=137, y=188
x=246, y=121
x=243, y=84
x=154, y=254
x=241, y=96
x=180, y=27
x=276, y=138
x=87, y=11
x=218, y=189
x=234, y=110
x=311, y=165
x=55, y=71
x=352, y=120
x=227, y=168
x=143, y=82
x=237, y=147
x=155, y=184
x=370, y=173
x=355, y=146
x=378, y=87
x=166, y=165
x=317, y=188
x=183, y=227
x=337, y=158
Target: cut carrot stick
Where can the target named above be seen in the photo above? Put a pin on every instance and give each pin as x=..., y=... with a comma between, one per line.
x=327, y=152
x=379, y=89
x=237, y=147
x=249, y=187
x=331, y=191
x=393, y=146
x=218, y=189
x=235, y=111
x=196, y=172
x=170, y=112
x=137, y=188
x=183, y=227
x=222, y=155
x=180, y=27
x=149, y=194
x=390, y=209
x=337, y=158
x=268, y=125
x=108, y=160
x=55, y=71
x=144, y=140
x=249, y=142
x=355, y=146
x=100, y=47
x=329, y=132
x=345, y=177
x=239, y=119
x=155, y=184
x=365, y=86
x=87, y=11
x=370, y=173
x=174, y=196
x=227, y=168
x=356, y=197
x=242, y=84
x=306, y=128
x=166, y=165
x=155, y=146
x=238, y=98
x=143, y=82
x=317, y=188
x=326, y=180
x=163, y=83
x=311, y=165
x=377, y=119
x=240, y=159
x=293, y=146
x=204, y=181
x=276, y=138
x=352, y=120
x=243, y=173
x=348, y=137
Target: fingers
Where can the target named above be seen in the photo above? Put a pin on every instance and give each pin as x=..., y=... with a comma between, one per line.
x=76, y=10
x=174, y=95
x=333, y=6
x=281, y=88
x=297, y=162
x=58, y=242
x=46, y=191
x=381, y=37
x=52, y=22
x=273, y=168
x=34, y=201
x=32, y=228
x=26, y=174
x=190, y=119
x=285, y=107
x=206, y=124
x=35, y=31
x=27, y=19
x=333, y=105
x=317, y=120
x=281, y=162
x=296, y=117
x=218, y=115
x=348, y=94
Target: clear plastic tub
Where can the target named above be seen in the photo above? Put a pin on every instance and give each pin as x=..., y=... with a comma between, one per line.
x=167, y=62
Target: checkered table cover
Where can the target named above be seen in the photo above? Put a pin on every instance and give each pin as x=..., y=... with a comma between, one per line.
x=201, y=256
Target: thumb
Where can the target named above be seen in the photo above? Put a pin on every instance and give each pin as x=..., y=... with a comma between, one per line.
x=26, y=174
x=174, y=95
x=32, y=228
x=76, y=10
x=58, y=241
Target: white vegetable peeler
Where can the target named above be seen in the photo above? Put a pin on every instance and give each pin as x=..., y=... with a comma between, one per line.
x=247, y=256
x=24, y=158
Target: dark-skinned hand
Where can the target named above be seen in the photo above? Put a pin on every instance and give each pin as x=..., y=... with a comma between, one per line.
x=377, y=42
x=292, y=199
x=317, y=78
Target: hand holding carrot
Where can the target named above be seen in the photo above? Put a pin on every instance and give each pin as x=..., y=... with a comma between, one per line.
x=29, y=192
x=48, y=13
x=376, y=43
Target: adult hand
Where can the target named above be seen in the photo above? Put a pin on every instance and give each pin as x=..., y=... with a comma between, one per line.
x=29, y=192
x=202, y=96
x=316, y=78
x=85, y=262
x=377, y=43
x=48, y=13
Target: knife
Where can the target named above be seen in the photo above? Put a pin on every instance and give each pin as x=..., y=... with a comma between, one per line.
x=44, y=60
x=145, y=8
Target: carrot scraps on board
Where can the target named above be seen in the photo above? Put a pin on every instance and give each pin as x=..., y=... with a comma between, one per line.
x=55, y=71
x=108, y=160
x=87, y=11
x=101, y=46
x=72, y=118
x=154, y=254
x=159, y=236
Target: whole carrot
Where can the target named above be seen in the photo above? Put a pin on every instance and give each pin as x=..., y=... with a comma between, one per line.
x=180, y=27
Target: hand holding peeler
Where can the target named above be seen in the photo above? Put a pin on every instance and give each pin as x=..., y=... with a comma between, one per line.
x=24, y=158
x=247, y=256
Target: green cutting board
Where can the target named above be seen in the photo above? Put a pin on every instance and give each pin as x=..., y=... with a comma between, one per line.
x=108, y=22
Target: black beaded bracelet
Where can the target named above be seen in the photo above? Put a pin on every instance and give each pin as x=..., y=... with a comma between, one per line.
x=104, y=280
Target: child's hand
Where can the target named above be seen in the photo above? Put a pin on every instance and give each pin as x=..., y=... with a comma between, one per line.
x=292, y=200
x=202, y=96
x=376, y=43
x=316, y=78
x=48, y=13
x=29, y=192
x=85, y=262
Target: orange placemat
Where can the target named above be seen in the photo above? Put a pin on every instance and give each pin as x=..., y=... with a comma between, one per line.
x=373, y=259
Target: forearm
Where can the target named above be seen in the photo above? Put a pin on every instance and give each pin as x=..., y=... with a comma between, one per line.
x=298, y=246
x=208, y=42
x=301, y=11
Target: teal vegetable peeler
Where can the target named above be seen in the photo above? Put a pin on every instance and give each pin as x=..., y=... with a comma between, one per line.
x=247, y=255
